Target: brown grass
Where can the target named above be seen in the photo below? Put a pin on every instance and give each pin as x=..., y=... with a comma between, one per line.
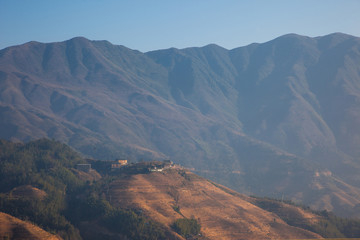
x=223, y=214
x=28, y=191
x=16, y=229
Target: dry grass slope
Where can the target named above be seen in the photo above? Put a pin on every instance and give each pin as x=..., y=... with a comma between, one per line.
x=223, y=213
x=28, y=191
x=16, y=229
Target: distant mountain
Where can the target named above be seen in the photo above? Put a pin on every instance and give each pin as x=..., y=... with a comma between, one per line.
x=278, y=119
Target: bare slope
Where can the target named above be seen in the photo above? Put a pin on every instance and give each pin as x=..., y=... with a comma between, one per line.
x=223, y=213
x=28, y=191
x=16, y=229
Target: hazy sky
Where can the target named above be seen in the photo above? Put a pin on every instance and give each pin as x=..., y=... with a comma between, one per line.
x=156, y=24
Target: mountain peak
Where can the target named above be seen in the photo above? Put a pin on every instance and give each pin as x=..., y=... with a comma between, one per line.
x=291, y=38
x=78, y=39
x=214, y=46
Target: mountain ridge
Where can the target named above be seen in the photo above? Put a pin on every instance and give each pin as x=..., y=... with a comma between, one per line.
x=207, y=108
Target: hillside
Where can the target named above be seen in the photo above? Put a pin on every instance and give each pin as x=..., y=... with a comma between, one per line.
x=13, y=228
x=39, y=183
x=262, y=119
x=45, y=182
x=222, y=213
x=28, y=191
x=35, y=179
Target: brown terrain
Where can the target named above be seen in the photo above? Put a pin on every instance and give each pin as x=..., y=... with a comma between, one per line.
x=28, y=191
x=335, y=194
x=223, y=214
x=16, y=229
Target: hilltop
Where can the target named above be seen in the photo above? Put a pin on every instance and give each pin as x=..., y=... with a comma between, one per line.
x=49, y=184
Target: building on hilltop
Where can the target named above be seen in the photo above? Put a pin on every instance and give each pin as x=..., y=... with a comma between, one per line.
x=122, y=162
x=160, y=166
x=168, y=162
x=118, y=164
x=155, y=169
x=84, y=167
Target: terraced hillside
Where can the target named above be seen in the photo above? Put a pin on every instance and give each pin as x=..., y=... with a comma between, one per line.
x=223, y=214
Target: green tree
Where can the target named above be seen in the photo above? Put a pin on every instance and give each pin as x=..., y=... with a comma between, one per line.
x=186, y=227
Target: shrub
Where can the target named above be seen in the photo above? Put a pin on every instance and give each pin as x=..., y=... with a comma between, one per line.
x=186, y=227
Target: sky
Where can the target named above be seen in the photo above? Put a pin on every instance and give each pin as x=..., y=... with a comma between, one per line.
x=147, y=25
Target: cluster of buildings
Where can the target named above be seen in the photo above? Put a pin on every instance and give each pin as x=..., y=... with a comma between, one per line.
x=166, y=164
x=84, y=167
x=123, y=165
x=118, y=164
x=113, y=165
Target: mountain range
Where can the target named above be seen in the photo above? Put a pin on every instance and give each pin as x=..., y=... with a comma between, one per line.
x=275, y=119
